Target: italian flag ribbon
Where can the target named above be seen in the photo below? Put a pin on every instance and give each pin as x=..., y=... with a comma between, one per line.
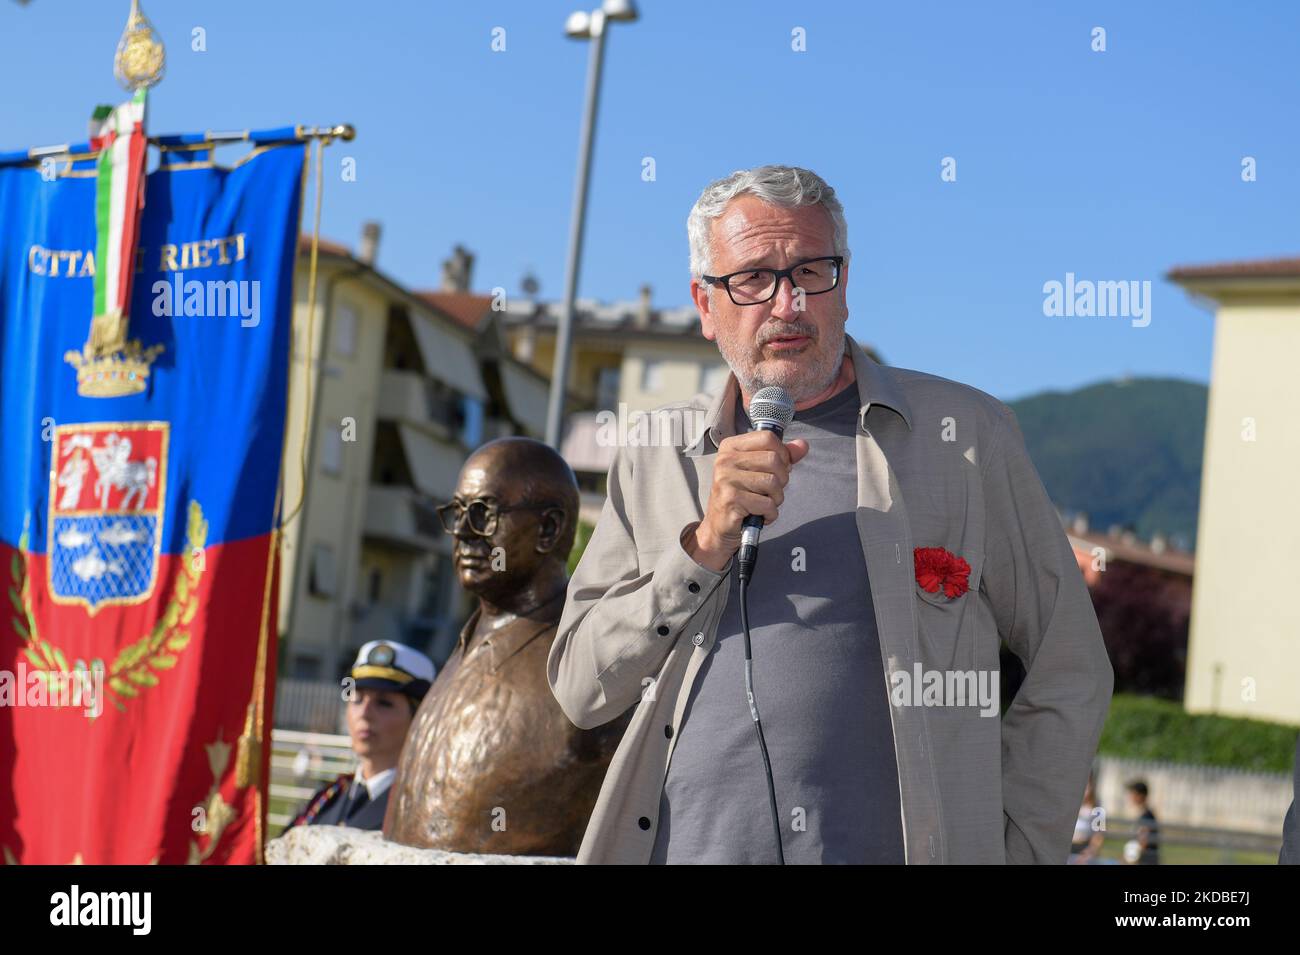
x=119, y=134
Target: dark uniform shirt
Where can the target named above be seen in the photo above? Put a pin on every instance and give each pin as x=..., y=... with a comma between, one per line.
x=344, y=803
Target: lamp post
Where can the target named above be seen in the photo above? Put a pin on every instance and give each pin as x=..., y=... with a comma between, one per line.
x=583, y=26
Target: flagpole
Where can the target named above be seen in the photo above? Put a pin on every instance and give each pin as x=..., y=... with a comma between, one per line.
x=343, y=131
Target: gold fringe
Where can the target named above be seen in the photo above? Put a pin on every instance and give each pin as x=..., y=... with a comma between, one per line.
x=309, y=350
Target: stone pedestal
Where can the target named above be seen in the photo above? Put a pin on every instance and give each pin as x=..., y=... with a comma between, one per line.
x=339, y=845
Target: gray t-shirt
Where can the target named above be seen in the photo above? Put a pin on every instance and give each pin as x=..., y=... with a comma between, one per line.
x=819, y=684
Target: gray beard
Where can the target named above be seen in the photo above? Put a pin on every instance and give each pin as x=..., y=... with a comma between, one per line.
x=761, y=379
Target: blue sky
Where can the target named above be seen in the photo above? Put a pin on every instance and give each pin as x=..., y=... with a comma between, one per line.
x=1114, y=166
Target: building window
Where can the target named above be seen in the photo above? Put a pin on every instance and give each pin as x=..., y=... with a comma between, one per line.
x=652, y=375
x=345, y=331
x=331, y=450
x=444, y=405
x=607, y=382
x=376, y=584
x=713, y=377
x=471, y=430
x=321, y=582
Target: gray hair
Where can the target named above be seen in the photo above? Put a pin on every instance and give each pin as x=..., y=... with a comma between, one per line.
x=786, y=186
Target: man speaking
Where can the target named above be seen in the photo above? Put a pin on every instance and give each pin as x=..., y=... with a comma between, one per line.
x=904, y=534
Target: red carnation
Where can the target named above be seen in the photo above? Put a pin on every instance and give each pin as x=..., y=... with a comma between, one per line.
x=937, y=567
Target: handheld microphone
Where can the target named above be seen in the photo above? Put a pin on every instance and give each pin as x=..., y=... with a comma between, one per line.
x=771, y=409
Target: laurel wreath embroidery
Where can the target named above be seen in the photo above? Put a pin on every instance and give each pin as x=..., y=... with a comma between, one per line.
x=139, y=665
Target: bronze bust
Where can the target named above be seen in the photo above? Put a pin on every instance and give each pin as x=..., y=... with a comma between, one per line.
x=491, y=763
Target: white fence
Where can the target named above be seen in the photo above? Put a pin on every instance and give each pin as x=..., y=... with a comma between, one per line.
x=309, y=705
x=1211, y=797
x=300, y=764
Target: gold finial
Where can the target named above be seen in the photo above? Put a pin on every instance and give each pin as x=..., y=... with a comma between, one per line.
x=140, y=56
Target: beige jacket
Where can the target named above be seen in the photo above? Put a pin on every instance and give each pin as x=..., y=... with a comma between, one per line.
x=940, y=464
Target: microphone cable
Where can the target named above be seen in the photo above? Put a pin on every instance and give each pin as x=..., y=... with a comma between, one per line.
x=753, y=712
x=771, y=409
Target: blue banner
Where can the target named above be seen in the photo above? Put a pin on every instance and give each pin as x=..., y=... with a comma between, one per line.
x=139, y=474
x=219, y=379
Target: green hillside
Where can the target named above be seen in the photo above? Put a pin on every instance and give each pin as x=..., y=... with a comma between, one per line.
x=1125, y=452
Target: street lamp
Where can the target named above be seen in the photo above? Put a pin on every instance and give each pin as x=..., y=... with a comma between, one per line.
x=580, y=25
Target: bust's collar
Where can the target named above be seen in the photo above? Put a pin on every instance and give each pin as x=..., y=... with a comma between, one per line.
x=504, y=643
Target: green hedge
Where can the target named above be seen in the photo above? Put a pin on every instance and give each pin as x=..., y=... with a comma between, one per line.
x=1143, y=727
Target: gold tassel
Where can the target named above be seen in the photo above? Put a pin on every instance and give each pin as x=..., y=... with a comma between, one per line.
x=107, y=334
x=248, y=757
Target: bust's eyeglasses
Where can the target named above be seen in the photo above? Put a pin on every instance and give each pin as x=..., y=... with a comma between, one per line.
x=756, y=286
x=483, y=514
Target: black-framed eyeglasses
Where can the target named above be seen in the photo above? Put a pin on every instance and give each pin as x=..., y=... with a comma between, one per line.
x=482, y=513
x=756, y=286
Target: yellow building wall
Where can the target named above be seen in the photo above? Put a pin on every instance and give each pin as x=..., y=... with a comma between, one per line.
x=584, y=364
x=681, y=374
x=1244, y=644
x=681, y=371
x=335, y=514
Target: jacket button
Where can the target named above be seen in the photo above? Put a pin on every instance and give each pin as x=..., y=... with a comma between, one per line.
x=643, y=822
x=693, y=587
x=668, y=731
x=663, y=631
x=698, y=639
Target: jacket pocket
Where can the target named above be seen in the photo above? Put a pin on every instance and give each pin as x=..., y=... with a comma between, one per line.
x=938, y=598
x=944, y=629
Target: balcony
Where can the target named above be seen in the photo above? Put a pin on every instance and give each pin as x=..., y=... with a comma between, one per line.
x=398, y=516
x=408, y=397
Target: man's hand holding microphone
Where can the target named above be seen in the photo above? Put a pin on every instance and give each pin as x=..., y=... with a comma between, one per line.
x=750, y=473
